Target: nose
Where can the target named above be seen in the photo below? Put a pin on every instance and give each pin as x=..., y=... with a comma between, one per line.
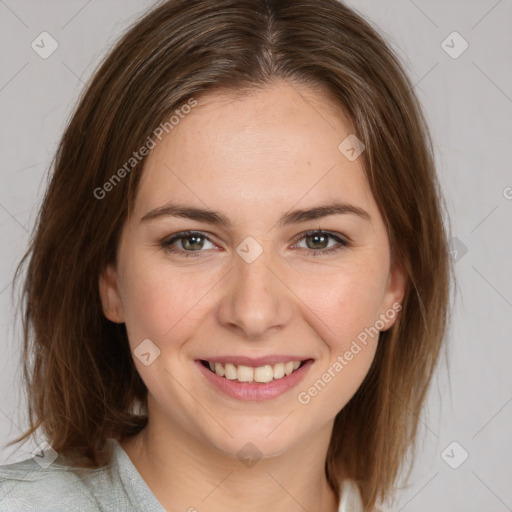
x=256, y=301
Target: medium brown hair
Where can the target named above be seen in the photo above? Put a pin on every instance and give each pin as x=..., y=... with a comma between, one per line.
x=81, y=380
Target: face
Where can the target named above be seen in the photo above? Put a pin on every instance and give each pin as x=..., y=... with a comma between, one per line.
x=229, y=260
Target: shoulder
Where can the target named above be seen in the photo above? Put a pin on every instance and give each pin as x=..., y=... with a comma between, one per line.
x=43, y=484
x=29, y=486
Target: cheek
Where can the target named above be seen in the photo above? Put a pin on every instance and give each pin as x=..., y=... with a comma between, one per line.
x=343, y=312
x=164, y=307
x=159, y=304
x=346, y=302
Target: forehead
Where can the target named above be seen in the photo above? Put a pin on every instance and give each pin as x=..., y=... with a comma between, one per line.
x=270, y=148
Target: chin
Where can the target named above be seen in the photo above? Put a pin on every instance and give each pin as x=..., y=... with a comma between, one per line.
x=267, y=440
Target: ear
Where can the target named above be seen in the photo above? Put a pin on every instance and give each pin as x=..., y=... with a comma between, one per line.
x=109, y=294
x=393, y=295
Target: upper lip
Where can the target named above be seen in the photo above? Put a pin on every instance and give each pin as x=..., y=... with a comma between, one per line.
x=254, y=362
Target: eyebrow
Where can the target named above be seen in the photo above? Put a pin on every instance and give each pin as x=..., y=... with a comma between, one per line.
x=292, y=217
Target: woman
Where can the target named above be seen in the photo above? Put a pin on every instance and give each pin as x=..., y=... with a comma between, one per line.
x=237, y=289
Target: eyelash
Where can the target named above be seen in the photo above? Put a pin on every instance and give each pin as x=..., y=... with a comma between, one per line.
x=342, y=243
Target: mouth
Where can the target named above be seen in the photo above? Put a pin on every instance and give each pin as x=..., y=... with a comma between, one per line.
x=263, y=374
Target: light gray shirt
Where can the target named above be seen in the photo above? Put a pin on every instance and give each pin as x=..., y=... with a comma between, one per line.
x=29, y=486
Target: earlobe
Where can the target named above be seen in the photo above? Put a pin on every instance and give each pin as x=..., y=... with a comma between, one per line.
x=109, y=294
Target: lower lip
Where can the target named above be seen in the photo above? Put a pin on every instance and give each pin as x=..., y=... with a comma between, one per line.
x=256, y=390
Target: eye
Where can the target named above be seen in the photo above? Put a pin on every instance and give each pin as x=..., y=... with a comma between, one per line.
x=190, y=242
x=318, y=242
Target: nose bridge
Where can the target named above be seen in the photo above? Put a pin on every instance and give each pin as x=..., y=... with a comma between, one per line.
x=255, y=300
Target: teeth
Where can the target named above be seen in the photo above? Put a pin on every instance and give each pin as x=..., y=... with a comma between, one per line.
x=231, y=371
x=218, y=369
x=278, y=370
x=245, y=374
x=263, y=374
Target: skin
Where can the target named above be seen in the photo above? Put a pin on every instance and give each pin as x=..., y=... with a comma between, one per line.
x=253, y=158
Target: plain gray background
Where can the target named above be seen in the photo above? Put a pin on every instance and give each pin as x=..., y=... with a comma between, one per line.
x=468, y=103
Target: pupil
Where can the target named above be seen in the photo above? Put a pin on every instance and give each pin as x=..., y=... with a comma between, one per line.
x=196, y=240
x=316, y=237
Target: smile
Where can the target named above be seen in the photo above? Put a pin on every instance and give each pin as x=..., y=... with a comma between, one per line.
x=254, y=379
x=262, y=374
